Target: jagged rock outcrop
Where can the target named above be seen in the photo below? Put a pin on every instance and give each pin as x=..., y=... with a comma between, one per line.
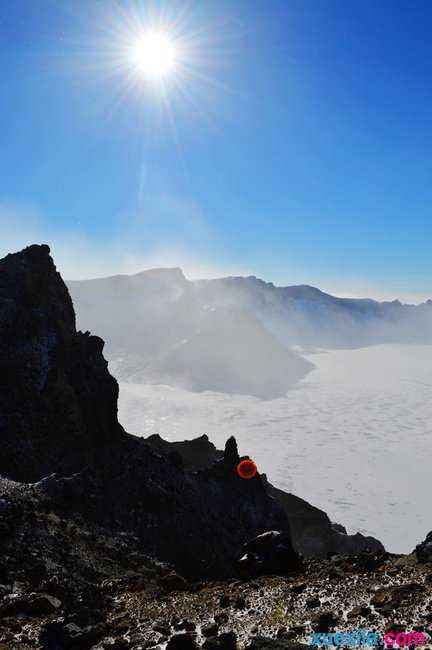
x=423, y=551
x=59, y=430
x=58, y=402
x=197, y=453
x=269, y=553
x=312, y=532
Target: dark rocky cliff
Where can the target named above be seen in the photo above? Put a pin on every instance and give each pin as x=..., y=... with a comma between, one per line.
x=58, y=402
x=58, y=415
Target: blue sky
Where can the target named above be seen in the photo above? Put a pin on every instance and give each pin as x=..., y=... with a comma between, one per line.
x=292, y=142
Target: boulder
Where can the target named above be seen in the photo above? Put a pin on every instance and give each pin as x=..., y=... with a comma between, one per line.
x=33, y=605
x=387, y=599
x=324, y=621
x=225, y=641
x=423, y=550
x=210, y=630
x=263, y=643
x=59, y=634
x=269, y=553
x=182, y=642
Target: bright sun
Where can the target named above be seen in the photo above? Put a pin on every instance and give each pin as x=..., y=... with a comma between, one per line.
x=154, y=54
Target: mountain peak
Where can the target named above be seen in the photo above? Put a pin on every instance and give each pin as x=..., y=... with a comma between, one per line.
x=163, y=270
x=305, y=291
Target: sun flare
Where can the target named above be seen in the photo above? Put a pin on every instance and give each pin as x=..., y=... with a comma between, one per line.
x=154, y=54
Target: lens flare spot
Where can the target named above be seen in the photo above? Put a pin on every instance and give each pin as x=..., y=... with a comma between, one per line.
x=247, y=469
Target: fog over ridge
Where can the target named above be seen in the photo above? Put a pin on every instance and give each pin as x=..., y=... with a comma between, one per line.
x=234, y=334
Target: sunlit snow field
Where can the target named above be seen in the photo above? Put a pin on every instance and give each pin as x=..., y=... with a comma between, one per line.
x=354, y=437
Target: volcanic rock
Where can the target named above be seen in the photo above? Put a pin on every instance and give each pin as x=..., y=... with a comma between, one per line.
x=389, y=598
x=324, y=621
x=210, y=630
x=225, y=641
x=182, y=642
x=261, y=643
x=269, y=553
x=423, y=550
x=58, y=402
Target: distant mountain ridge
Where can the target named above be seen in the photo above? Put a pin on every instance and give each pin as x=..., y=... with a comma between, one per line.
x=306, y=316
x=233, y=334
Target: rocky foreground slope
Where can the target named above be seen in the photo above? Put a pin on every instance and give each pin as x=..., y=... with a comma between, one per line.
x=107, y=541
x=67, y=583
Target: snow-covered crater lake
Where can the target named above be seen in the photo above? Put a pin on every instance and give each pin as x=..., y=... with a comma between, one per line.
x=354, y=437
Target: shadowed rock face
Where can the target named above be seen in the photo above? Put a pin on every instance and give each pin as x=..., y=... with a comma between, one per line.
x=58, y=402
x=423, y=550
x=198, y=453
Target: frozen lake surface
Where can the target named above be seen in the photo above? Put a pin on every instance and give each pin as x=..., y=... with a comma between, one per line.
x=353, y=438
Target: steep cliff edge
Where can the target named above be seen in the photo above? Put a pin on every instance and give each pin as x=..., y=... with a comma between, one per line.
x=58, y=402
